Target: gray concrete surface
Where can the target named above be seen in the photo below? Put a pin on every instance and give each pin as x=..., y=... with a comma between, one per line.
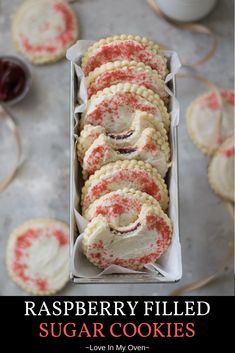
x=41, y=188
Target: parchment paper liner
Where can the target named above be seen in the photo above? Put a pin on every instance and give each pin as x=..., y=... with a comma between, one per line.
x=169, y=266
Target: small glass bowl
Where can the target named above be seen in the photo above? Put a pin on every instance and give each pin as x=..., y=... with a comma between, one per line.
x=18, y=61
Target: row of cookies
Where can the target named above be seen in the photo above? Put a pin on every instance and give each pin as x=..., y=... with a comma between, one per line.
x=124, y=152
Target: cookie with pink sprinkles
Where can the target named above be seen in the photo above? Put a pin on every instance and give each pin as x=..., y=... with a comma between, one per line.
x=115, y=107
x=127, y=228
x=38, y=256
x=133, y=72
x=124, y=47
x=132, y=174
x=140, y=122
x=210, y=119
x=43, y=30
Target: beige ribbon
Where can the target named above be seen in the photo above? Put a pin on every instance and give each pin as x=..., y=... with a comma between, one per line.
x=191, y=26
x=5, y=116
x=205, y=281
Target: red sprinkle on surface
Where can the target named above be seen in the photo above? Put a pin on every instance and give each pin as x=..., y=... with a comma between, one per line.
x=96, y=255
x=126, y=74
x=98, y=245
x=105, y=260
x=61, y=237
x=32, y=48
x=116, y=209
x=139, y=179
x=212, y=102
x=229, y=152
x=229, y=96
x=219, y=139
x=114, y=105
x=150, y=147
x=159, y=225
x=125, y=50
x=41, y=284
x=97, y=190
x=67, y=34
x=116, y=205
x=94, y=160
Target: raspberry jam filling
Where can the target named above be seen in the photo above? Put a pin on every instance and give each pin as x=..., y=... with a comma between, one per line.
x=121, y=136
x=126, y=150
x=132, y=228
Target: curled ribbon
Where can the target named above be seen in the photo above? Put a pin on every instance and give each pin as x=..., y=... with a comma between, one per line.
x=191, y=26
x=5, y=116
x=205, y=281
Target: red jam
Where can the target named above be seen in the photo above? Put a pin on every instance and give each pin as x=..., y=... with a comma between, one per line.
x=13, y=79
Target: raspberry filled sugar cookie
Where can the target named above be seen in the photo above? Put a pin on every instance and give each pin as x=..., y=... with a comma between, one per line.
x=37, y=256
x=124, y=47
x=151, y=148
x=127, y=228
x=140, y=122
x=134, y=72
x=211, y=121
x=43, y=30
x=115, y=107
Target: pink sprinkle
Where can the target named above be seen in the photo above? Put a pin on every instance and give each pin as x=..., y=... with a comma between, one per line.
x=229, y=152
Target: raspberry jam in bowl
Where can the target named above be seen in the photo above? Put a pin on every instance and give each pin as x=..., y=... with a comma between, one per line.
x=15, y=79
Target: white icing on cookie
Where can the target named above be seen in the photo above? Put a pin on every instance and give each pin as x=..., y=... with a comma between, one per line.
x=221, y=170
